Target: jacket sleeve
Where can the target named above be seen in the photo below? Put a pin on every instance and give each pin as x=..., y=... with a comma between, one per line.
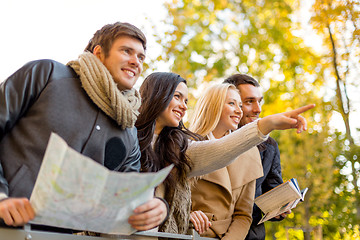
x=132, y=163
x=242, y=219
x=17, y=94
x=274, y=177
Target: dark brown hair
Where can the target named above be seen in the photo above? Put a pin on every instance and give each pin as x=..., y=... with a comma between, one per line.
x=106, y=36
x=170, y=147
x=238, y=79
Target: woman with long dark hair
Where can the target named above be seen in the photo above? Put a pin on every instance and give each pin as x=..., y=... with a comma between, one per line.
x=164, y=140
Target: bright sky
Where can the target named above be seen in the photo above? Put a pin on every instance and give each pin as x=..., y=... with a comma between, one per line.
x=60, y=30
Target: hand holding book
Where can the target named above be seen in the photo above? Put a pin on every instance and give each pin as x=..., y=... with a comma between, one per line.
x=280, y=199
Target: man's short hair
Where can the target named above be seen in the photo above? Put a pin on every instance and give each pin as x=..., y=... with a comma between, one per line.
x=106, y=36
x=238, y=79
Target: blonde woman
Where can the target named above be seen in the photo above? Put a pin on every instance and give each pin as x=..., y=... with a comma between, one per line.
x=222, y=201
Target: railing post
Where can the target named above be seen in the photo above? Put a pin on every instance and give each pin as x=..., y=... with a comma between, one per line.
x=195, y=235
x=27, y=230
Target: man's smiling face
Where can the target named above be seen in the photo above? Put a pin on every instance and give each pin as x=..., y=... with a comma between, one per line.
x=251, y=98
x=124, y=61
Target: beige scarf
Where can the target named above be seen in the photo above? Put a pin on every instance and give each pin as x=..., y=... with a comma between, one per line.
x=122, y=106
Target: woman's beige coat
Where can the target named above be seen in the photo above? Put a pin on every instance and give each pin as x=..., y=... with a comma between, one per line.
x=226, y=196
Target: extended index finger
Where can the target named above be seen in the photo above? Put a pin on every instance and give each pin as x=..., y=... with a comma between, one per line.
x=303, y=109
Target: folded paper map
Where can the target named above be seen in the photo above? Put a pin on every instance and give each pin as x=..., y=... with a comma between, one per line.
x=73, y=191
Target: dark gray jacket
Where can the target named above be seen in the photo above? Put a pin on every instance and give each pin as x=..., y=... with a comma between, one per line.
x=45, y=96
x=270, y=157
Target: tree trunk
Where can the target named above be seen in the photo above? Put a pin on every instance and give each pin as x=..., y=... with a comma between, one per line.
x=344, y=109
x=307, y=227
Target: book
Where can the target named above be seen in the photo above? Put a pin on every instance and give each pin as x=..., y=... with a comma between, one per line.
x=280, y=199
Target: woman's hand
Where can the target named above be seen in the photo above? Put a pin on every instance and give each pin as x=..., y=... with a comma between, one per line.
x=200, y=220
x=148, y=215
x=285, y=120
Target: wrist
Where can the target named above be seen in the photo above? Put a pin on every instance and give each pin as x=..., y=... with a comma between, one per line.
x=264, y=125
x=167, y=209
x=3, y=196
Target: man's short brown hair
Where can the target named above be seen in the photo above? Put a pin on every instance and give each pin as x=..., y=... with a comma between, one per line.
x=238, y=79
x=106, y=36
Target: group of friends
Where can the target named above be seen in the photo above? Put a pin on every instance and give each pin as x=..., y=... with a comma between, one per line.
x=221, y=162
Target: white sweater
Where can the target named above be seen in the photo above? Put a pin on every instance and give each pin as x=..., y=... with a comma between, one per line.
x=210, y=155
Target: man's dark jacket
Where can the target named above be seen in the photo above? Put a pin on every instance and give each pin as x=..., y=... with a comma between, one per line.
x=46, y=96
x=270, y=157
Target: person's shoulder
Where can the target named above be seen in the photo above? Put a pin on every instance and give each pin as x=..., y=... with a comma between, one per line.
x=42, y=67
x=272, y=142
x=43, y=63
x=55, y=68
x=269, y=143
x=132, y=132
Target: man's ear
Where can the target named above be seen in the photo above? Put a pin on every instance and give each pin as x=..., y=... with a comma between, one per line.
x=98, y=52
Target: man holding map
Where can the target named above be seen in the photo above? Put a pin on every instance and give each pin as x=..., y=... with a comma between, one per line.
x=90, y=103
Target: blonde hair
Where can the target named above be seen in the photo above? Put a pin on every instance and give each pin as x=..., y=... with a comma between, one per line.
x=208, y=108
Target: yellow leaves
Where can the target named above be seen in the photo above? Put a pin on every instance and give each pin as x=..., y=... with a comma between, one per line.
x=354, y=233
x=220, y=4
x=212, y=39
x=326, y=214
x=318, y=221
x=291, y=215
x=210, y=75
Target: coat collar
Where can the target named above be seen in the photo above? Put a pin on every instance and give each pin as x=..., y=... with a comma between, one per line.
x=247, y=167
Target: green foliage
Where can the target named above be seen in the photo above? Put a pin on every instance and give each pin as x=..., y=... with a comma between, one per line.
x=210, y=40
x=338, y=23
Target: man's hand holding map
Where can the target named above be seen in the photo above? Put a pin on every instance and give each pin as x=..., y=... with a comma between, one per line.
x=73, y=191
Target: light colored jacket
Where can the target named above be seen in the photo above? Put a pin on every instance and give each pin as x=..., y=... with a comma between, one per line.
x=226, y=196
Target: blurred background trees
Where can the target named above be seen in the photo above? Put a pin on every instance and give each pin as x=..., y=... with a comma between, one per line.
x=301, y=52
